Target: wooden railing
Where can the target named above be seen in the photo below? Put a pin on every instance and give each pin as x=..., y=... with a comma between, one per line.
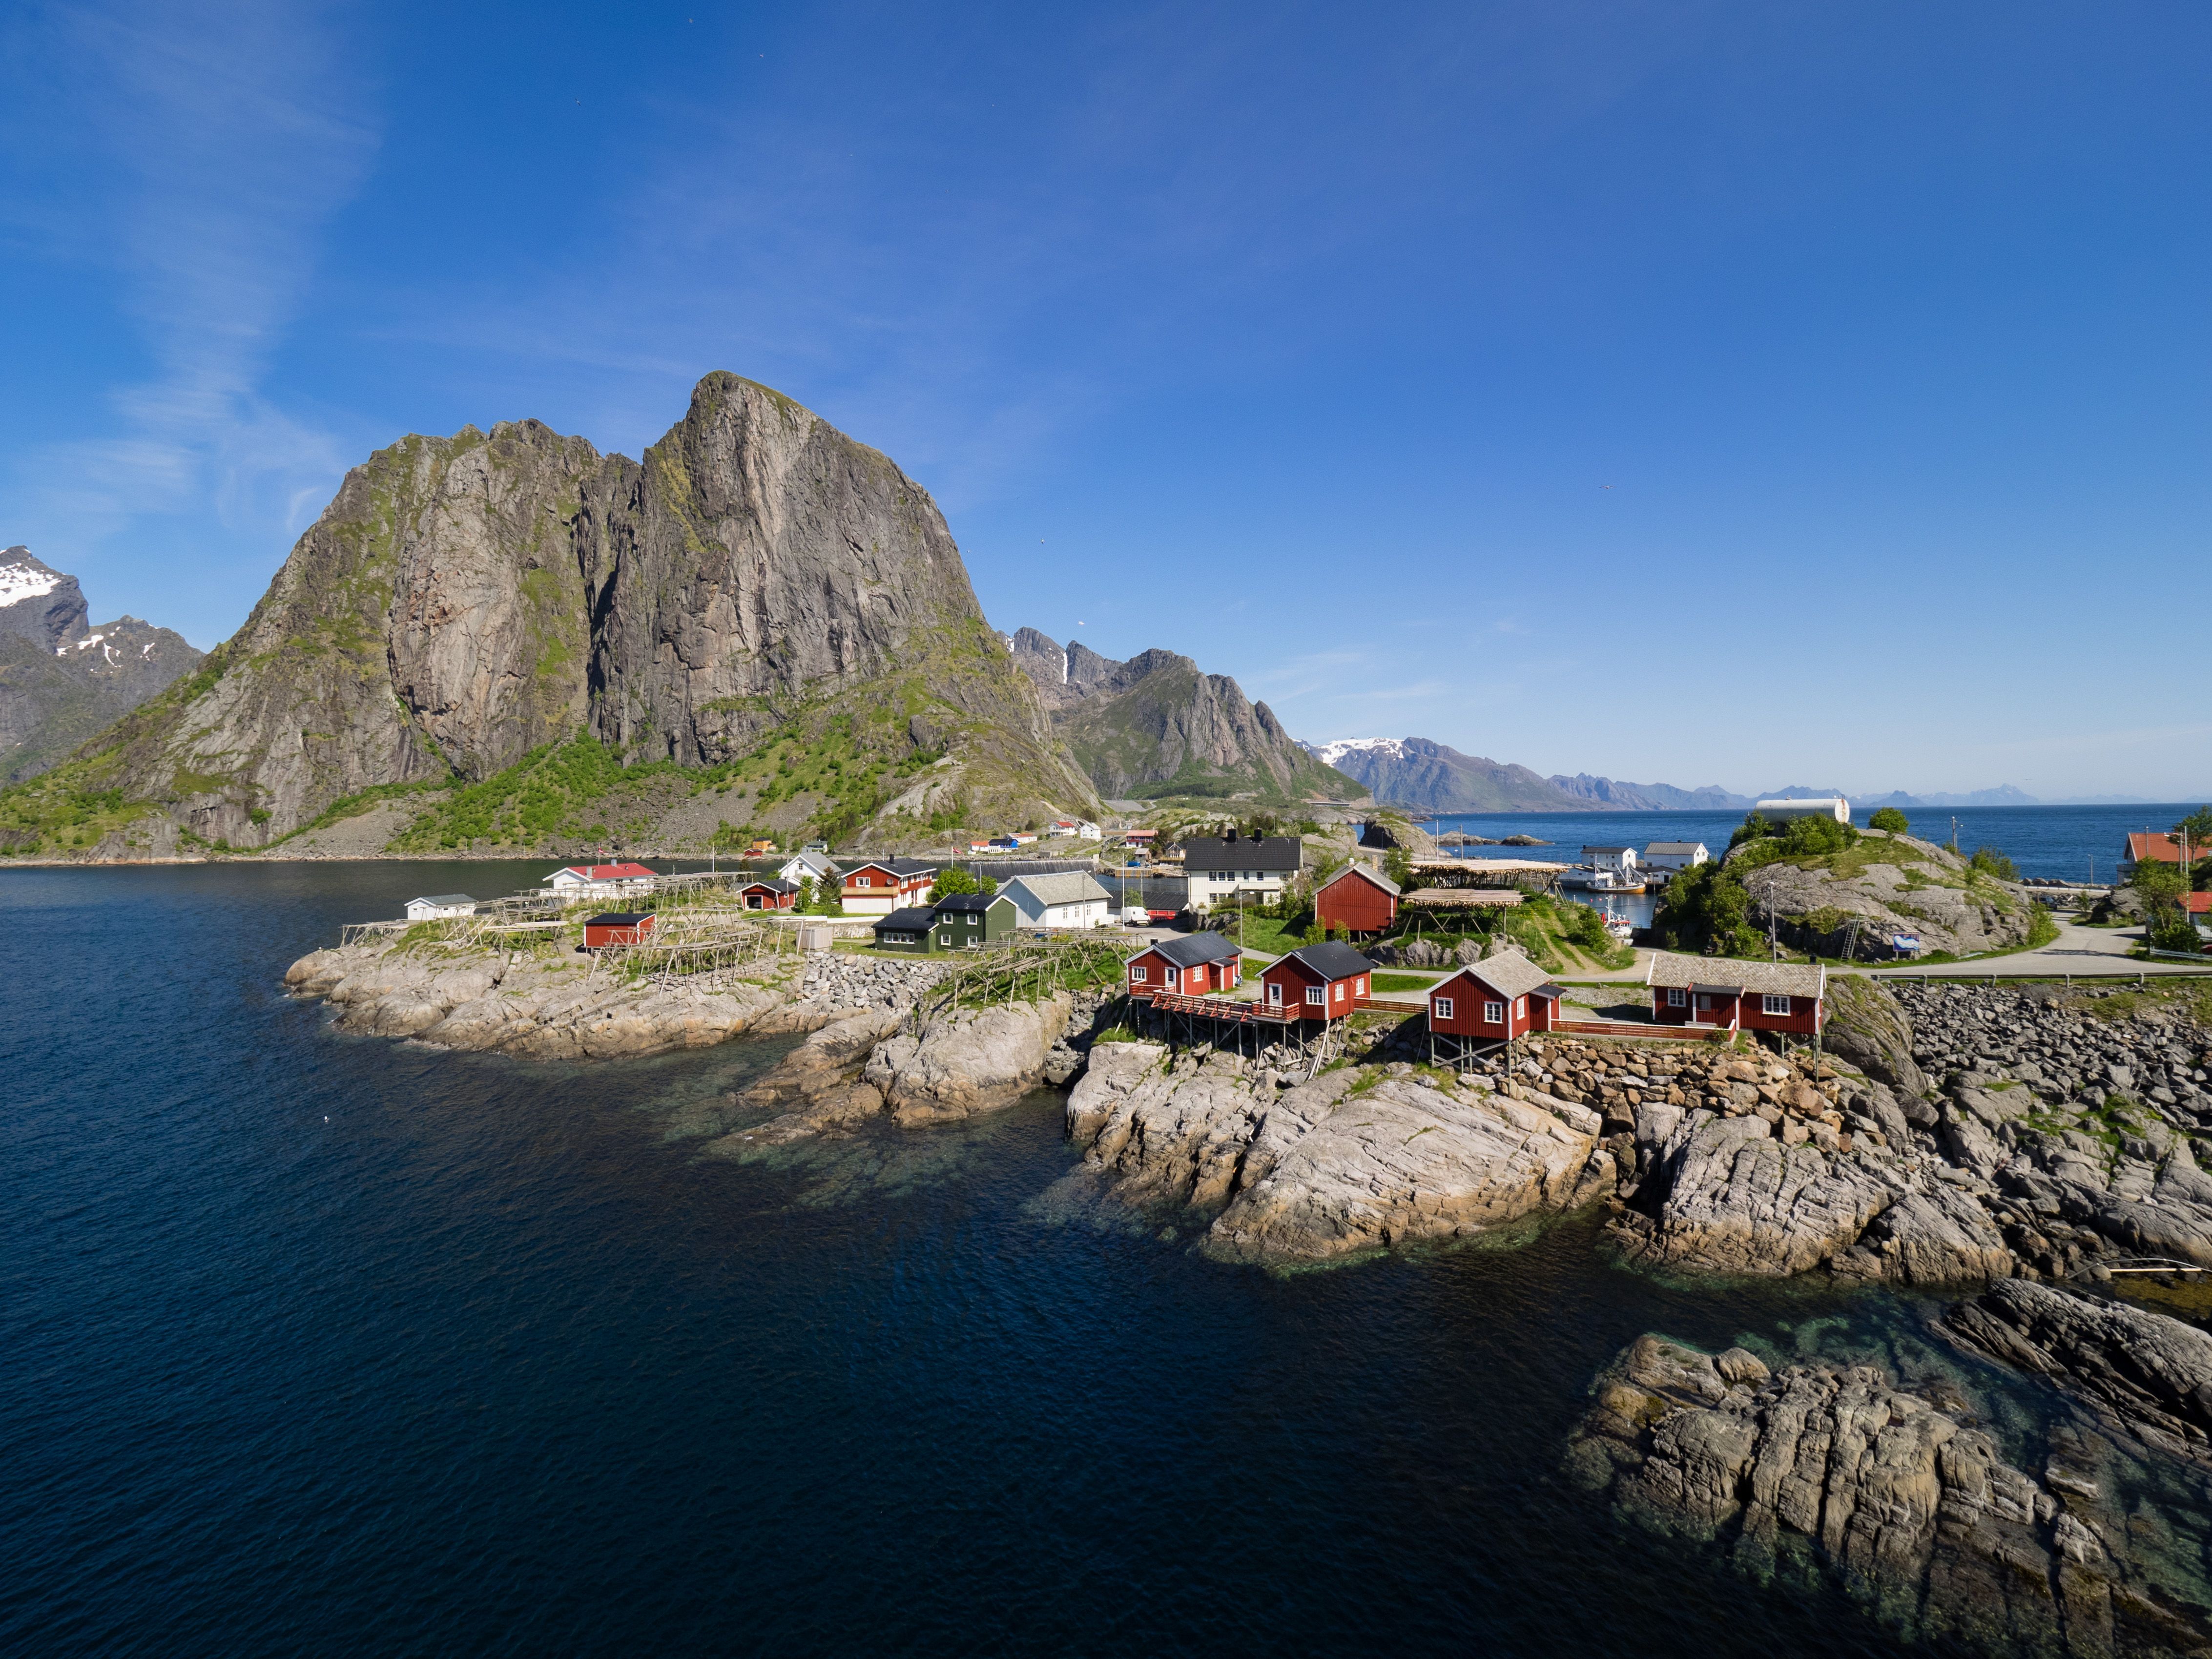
x=1232, y=1010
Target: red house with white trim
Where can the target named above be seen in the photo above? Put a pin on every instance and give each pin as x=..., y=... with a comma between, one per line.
x=1358, y=899
x=1317, y=981
x=1738, y=996
x=1494, y=1000
x=883, y=885
x=1200, y=964
x=771, y=893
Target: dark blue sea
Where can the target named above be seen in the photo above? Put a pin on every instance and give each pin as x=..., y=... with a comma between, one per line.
x=312, y=1344
x=2070, y=843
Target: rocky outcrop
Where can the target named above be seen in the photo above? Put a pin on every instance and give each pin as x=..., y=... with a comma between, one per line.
x=1867, y=1029
x=1354, y=1160
x=1852, y=903
x=2147, y=1373
x=967, y=1060
x=1898, y=1494
x=1138, y=727
x=465, y=600
x=63, y=678
x=537, y=1006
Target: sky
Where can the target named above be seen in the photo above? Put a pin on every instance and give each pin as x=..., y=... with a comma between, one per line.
x=1702, y=393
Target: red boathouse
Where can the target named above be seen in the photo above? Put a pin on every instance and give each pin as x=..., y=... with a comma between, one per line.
x=1494, y=1000
x=1200, y=964
x=1318, y=982
x=1357, y=899
x=616, y=928
x=1739, y=996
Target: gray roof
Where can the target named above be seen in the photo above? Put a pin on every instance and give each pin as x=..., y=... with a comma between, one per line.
x=774, y=884
x=914, y=918
x=1670, y=848
x=1068, y=887
x=1331, y=961
x=1368, y=871
x=1587, y=850
x=1776, y=978
x=443, y=898
x=896, y=866
x=1509, y=972
x=1192, y=950
x=1275, y=853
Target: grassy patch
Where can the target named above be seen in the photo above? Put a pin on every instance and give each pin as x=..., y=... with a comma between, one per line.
x=1405, y=981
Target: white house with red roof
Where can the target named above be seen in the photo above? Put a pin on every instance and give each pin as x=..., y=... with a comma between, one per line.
x=596, y=881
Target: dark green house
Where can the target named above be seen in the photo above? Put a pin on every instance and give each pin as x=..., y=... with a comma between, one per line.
x=905, y=930
x=967, y=920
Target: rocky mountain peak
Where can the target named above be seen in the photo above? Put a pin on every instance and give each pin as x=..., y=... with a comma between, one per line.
x=38, y=603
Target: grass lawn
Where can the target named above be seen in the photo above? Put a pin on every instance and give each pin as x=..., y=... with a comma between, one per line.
x=1405, y=981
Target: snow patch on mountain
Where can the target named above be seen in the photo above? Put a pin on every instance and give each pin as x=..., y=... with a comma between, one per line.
x=1329, y=753
x=19, y=582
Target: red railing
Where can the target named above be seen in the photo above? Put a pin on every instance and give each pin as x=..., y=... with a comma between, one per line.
x=1230, y=1009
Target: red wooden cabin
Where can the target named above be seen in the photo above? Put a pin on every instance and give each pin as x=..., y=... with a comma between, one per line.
x=1318, y=982
x=1494, y=1000
x=772, y=893
x=1738, y=996
x=616, y=928
x=1202, y=964
x=1358, y=900
x=883, y=885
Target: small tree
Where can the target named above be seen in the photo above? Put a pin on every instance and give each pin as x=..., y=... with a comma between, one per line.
x=808, y=895
x=2197, y=826
x=1889, y=818
x=957, y=880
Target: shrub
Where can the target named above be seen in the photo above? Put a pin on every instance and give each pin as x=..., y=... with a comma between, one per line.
x=1706, y=908
x=1990, y=862
x=1889, y=818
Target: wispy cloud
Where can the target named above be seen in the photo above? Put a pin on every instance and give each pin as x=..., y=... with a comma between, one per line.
x=192, y=154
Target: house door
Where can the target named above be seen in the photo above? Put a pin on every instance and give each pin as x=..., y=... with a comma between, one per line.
x=1701, y=1010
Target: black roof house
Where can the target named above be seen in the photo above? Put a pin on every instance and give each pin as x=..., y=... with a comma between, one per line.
x=1192, y=950
x=914, y=918
x=970, y=900
x=1331, y=961
x=1203, y=853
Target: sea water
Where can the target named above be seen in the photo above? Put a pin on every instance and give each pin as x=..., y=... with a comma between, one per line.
x=320, y=1344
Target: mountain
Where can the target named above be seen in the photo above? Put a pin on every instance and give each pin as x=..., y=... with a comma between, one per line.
x=1422, y=776
x=1155, y=727
x=514, y=612
x=62, y=679
x=1605, y=793
x=2003, y=795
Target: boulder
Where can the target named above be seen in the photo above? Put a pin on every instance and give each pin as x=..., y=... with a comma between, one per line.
x=1868, y=1028
x=968, y=1061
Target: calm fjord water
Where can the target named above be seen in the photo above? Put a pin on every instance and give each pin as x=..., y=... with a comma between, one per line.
x=310, y=1343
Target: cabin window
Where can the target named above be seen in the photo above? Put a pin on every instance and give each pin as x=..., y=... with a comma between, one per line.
x=1313, y=996
x=1136, y=976
x=862, y=881
x=1494, y=1013
x=1441, y=1007
x=1771, y=1003
x=1677, y=997
x=1519, y=1006
x=1363, y=985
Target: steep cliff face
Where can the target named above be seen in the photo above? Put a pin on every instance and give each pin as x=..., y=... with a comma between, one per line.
x=61, y=678
x=1155, y=726
x=466, y=601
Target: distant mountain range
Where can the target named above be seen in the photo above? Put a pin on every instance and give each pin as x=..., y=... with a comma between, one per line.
x=1421, y=775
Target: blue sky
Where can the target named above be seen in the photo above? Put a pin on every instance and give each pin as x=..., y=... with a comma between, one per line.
x=1731, y=393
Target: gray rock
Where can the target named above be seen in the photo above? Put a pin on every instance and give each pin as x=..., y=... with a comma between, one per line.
x=2150, y=1374
x=970, y=1061
x=1909, y=1505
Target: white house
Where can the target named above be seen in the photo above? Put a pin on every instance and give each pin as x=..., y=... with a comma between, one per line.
x=440, y=905
x=1222, y=866
x=809, y=866
x=1622, y=860
x=1071, y=899
x=1676, y=855
x=599, y=881
x=1809, y=807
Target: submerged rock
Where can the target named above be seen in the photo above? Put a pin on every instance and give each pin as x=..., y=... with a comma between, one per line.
x=1911, y=1505
x=2148, y=1373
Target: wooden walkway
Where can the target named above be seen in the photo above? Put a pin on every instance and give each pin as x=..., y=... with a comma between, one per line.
x=1233, y=1011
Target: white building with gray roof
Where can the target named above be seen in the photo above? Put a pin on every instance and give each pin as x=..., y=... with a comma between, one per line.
x=1073, y=898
